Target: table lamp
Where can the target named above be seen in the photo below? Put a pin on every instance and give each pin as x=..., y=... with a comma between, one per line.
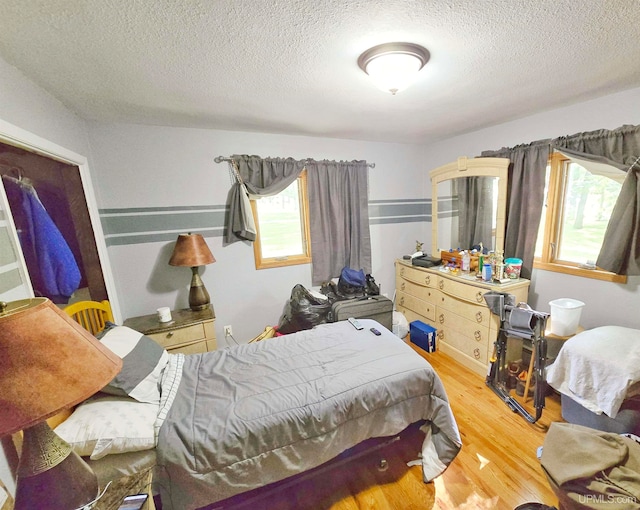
x=192, y=251
x=48, y=363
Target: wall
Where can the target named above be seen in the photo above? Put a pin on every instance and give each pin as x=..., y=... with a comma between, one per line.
x=32, y=109
x=606, y=303
x=24, y=104
x=157, y=182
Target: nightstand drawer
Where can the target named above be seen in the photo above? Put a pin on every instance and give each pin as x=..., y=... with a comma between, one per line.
x=193, y=348
x=179, y=336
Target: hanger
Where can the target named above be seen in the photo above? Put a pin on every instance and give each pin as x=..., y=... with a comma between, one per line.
x=14, y=173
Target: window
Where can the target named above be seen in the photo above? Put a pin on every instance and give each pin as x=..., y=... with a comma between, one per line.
x=577, y=208
x=282, y=223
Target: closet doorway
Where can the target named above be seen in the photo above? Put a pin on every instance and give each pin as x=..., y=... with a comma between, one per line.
x=59, y=187
x=76, y=185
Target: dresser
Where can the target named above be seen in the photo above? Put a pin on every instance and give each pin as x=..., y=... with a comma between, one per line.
x=188, y=332
x=455, y=306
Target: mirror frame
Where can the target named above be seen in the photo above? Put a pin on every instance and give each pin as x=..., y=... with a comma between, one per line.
x=471, y=167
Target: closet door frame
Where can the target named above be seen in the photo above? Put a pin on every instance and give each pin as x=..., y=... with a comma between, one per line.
x=18, y=137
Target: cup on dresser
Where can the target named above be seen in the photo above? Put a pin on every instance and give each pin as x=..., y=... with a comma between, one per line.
x=164, y=314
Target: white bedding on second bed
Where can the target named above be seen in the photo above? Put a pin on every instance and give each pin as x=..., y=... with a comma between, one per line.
x=599, y=368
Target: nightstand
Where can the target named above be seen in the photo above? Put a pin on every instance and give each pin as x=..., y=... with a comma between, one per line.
x=188, y=332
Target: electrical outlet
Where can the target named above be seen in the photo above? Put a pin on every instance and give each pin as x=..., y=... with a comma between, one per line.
x=228, y=331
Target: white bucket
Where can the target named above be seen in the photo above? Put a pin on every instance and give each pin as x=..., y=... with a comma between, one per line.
x=565, y=316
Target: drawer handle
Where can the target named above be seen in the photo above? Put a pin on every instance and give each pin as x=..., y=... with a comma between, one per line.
x=441, y=284
x=440, y=334
x=402, y=271
x=477, y=335
x=478, y=316
x=479, y=296
x=427, y=279
x=403, y=285
x=169, y=334
x=402, y=301
x=476, y=353
x=441, y=318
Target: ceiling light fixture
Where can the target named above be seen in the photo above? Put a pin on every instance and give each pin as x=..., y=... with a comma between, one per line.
x=393, y=66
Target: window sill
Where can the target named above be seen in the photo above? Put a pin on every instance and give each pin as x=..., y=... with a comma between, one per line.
x=596, y=274
x=281, y=262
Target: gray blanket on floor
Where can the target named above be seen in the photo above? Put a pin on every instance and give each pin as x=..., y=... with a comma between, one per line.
x=254, y=414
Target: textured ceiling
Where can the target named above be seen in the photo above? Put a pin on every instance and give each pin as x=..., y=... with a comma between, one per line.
x=290, y=67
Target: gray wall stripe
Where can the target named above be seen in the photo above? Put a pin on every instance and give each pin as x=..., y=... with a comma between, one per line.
x=157, y=224
x=127, y=224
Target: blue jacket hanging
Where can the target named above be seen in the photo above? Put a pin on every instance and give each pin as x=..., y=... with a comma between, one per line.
x=52, y=267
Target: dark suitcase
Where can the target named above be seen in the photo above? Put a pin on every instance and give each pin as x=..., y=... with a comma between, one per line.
x=379, y=308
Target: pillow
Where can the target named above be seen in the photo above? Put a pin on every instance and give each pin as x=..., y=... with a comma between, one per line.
x=143, y=361
x=104, y=425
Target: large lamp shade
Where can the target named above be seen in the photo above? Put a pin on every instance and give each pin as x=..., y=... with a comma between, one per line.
x=48, y=363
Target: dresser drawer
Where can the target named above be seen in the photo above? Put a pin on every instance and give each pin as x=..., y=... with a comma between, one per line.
x=180, y=336
x=474, y=313
x=416, y=275
x=450, y=321
x=477, y=351
x=462, y=290
x=421, y=307
x=419, y=291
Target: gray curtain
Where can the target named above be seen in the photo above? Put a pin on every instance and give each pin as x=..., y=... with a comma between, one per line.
x=338, y=208
x=339, y=217
x=262, y=177
x=475, y=208
x=620, y=148
x=524, y=199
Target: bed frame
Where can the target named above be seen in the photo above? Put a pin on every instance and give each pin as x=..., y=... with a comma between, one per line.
x=627, y=421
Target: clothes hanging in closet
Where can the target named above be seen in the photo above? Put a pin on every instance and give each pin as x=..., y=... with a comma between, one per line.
x=52, y=267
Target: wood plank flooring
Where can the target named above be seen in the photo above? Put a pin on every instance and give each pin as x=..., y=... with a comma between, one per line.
x=497, y=467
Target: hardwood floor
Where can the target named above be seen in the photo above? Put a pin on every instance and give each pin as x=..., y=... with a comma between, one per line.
x=497, y=467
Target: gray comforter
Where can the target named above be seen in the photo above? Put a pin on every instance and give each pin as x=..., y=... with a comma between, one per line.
x=255, y=414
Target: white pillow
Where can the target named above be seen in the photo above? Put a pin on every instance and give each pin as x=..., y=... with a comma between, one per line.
x=105, y=425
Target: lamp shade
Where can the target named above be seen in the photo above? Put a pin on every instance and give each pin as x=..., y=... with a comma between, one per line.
x=191, y=250
x=48, y=363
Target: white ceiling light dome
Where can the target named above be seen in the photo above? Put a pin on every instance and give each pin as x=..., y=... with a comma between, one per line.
x=393, y=66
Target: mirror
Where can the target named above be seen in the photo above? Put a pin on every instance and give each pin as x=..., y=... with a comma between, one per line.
x=468, y=204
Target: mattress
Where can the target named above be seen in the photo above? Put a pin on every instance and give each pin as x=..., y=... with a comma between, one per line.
x=255, y=414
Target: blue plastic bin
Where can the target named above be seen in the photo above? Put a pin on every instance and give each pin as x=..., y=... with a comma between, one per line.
x=423, y=335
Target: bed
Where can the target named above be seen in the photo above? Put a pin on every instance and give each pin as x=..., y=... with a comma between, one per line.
x=231, y=421
x=597, y=373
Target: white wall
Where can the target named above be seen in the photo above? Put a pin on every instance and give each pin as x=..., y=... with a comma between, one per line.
x=606, y=303
x=147, y=166
x=24, y=104
x=30, y=108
